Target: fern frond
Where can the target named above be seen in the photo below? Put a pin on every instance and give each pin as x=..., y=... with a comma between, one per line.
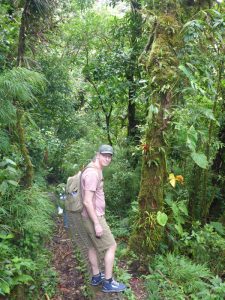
x=5, y=142
x=21, y=84
x=31, y=210
x=7, y=112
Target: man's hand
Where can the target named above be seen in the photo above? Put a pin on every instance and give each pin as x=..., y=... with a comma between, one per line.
x=98, y=230
x=88, y=203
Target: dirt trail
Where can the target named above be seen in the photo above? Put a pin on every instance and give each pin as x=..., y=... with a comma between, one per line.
x=71, y=283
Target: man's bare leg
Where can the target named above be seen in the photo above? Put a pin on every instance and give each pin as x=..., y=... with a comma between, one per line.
x=93, y=258
x=109, y=261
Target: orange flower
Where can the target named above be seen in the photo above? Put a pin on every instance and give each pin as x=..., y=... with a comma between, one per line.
x=180, y=179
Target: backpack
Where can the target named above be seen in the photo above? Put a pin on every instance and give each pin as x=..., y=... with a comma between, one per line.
x=74, y=201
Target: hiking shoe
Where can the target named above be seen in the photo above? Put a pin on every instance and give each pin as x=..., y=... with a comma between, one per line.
x=112, y=287
x=96, y=280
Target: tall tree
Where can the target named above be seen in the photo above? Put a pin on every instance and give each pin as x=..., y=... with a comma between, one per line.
x=161, y=59
x=32, y=11
x=132, y=72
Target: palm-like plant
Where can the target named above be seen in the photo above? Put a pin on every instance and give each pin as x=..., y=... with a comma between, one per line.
x=20, y=84
x=18, y=87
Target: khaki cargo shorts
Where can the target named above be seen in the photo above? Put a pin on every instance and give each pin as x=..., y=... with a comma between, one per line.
x=105, y=241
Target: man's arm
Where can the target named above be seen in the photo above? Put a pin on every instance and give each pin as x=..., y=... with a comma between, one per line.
x=88, y=204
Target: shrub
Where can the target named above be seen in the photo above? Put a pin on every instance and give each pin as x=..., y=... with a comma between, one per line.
x=26, y=224
x=205, y=245
x=121, y=183
x=176, y=277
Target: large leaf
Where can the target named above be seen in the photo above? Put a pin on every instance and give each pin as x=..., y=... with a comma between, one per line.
x=12, y=182
x=161, y=218
x=209, y=114
x=183, y=208
x=218, y=227
x=23, y=278
x=7, y=161
x=187, y=72
x=192, y=138
x=6, y=236
x=179, y=228
x=200, y=159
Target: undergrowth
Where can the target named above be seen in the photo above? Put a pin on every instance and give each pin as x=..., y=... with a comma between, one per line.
x=26, y=225
x=177, y=277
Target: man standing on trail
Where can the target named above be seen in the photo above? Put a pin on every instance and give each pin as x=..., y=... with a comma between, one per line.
x=99, y=234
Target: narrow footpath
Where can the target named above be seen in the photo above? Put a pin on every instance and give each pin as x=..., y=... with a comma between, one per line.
x=71, y=285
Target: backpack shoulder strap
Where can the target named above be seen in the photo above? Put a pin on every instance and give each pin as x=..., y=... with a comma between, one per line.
x=72, y=182
x=96, y=169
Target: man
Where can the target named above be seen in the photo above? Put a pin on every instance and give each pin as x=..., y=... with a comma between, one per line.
x=100, y=236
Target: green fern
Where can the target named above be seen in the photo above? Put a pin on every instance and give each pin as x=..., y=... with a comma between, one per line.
x=5, y=142
x=28, y=211
x=3, y=215
x=7, y=112
x=20, y=84
x=33, y=210
x=176, y=277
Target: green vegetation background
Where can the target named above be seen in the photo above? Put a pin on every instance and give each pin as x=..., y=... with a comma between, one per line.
x=146, y=77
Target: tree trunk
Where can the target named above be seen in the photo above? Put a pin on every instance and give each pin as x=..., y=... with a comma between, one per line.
x=132, y=72
x=29, y=167
x=148, y=233
x=107, y=120
x=131, y=128
x=161, y=64
x=22, y=34
x=28, y=177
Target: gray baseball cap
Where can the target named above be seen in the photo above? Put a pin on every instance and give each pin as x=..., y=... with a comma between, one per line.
x=106, y=149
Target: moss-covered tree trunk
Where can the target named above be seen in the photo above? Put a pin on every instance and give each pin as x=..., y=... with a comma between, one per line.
x=161, y=64
x=28, y=177
x=160, y=58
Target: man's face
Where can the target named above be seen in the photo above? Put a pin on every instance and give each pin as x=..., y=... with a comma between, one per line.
x=105, y=159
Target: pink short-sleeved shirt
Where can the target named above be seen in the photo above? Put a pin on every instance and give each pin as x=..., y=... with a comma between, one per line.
x=92, y=180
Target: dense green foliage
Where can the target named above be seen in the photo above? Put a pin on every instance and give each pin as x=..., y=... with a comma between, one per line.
x=145, y=76
x=25, y=226
x=176, y=277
